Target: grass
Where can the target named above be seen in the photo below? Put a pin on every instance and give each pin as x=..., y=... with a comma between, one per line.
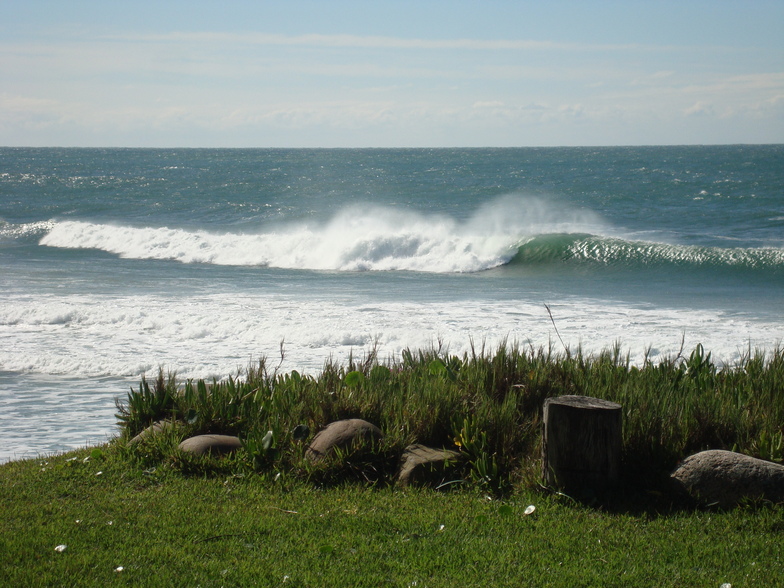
x=149, y=515
x=487, y=405
x=165, y=529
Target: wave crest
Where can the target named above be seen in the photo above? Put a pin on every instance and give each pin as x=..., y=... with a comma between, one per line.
x=520, y=232
x=610, y=251
x=356, y=239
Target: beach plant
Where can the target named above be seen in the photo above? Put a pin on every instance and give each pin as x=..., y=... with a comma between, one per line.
x=488, y=402
x=261, y=451
x=224, y=406
x=769, y=446
x=148, y=404
x=483, y=465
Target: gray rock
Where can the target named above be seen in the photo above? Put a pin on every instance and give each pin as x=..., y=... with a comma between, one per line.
x=154, y=429
x=216, y=444
x=425, y=465
x=727, y=478
x=340, y=434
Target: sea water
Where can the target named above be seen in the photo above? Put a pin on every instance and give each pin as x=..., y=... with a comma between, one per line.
x=117, y=262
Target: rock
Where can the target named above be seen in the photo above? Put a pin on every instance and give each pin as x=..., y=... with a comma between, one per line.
x=340, y=434
x=202, y=444
x=727, y=478
x=152, y=430
x=424, y=465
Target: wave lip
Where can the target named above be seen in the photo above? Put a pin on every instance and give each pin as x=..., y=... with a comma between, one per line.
x=356, y=248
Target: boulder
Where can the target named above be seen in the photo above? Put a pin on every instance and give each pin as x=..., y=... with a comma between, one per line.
x=727, y=478
x=216, y=444
x=340, y=434
x=152, y=430
x=425, y=465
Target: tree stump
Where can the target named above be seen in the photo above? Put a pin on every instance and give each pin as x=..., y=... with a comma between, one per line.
x=581, y=444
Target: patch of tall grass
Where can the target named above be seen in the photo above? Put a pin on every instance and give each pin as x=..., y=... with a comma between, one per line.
x=488, y=405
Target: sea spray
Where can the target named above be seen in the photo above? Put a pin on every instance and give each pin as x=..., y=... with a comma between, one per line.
x=357, y=238
x=391, y=240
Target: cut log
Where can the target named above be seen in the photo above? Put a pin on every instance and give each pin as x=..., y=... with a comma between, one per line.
x=581, y=443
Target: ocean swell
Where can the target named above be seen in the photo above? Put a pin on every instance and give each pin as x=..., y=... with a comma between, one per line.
x=400, y=242
x=355, y=239
x=585, y=249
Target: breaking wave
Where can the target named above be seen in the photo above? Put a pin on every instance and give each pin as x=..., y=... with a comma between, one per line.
x=355, y=239
x=589, y=249
x=517, y=232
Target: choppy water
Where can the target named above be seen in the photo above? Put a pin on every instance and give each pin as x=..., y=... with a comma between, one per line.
x=114, y=262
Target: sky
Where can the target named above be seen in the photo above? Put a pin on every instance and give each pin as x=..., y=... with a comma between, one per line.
x=371, y=73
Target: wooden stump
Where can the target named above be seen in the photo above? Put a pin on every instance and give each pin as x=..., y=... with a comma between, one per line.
x=581, y=444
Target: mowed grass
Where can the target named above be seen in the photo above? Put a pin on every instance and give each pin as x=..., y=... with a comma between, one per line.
x=123, y=526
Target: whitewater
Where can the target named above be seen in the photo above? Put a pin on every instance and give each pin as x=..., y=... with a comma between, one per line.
x=359, y=238
x=116, y=263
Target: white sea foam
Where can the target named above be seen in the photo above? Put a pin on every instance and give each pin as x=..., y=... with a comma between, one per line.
x=64, y=360
x=214, y=335
x=356, y=239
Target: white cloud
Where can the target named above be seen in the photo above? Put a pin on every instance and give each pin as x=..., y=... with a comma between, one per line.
x=375, y=42
x=488, y=104
x=700, y=108
x=368, y=90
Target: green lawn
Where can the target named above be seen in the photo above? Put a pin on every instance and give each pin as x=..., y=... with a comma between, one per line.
x=124, y=526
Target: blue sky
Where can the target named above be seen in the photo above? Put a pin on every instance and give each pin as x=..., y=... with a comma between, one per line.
x=390, y=74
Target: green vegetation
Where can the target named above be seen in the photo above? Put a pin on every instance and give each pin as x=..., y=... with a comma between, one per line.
x=488, y=405
x=148, y=515
x=165, y=529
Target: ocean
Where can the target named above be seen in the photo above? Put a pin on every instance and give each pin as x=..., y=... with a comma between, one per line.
x=117, y=262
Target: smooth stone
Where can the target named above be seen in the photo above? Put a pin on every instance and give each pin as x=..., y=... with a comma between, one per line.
x=152, y=430
x=340, y=434
x=202, y=444
x=727, y=478
x=425, y=465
